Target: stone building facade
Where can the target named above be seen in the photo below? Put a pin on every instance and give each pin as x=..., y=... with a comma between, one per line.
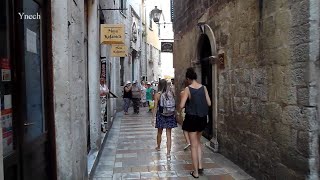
x=265, y=98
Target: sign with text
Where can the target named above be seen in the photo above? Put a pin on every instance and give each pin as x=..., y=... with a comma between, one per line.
x=167, y=47
x=112, y=34
x=119, y=50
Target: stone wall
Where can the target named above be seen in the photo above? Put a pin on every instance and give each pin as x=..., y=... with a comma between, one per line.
x=70, y=97
x=266, y=98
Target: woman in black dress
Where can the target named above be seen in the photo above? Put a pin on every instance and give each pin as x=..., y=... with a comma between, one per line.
x=196, y=101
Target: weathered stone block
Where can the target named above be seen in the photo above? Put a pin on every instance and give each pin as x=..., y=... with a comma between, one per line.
x=259, y=76
x=303, y=142
x=269, y=26
x=309, y=122
x=282, y=20
x=298, y=74
x=242, y=105
x=282, y=172
x=279, y=56
x=299, y=53
x=300, y=13
x=299, y=34
x=303, y=96
x=291, y=115
x=240, y=90
x=293, y=160
x=283, y=135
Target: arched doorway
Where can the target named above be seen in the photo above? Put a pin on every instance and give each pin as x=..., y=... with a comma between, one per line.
x=204, y=50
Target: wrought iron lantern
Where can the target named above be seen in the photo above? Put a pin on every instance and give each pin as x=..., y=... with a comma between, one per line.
x=155, y=14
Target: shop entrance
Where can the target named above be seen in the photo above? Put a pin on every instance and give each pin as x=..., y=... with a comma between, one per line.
x=28, y=88
x=206, y=77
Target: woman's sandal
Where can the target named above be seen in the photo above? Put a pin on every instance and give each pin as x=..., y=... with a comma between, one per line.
x=191, y=173
x=200, y=171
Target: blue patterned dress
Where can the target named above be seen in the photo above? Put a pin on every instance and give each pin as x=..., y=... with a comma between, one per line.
x=165, y=122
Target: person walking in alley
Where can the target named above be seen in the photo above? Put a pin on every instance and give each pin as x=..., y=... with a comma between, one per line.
x=143, y=95
x=164, y=111
x=127, y=94
x=196, y=101
x=182, y=115
x=136, y=95
x=149, y=95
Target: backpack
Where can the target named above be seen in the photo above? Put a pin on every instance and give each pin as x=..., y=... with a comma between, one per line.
x=167, y=104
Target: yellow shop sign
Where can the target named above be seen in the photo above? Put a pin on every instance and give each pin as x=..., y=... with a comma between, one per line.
x=112, y=34
x=119, y=50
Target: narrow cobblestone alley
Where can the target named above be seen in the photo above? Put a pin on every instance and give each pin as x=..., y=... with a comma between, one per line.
x=129, y=153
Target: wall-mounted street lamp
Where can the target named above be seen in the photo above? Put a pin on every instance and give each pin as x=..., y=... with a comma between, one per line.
x=155, y=14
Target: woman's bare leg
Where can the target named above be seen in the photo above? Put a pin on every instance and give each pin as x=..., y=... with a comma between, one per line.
x=186, y=136
x=159, y=134
x=168, y=132
x=199, y=134
x=194, y=151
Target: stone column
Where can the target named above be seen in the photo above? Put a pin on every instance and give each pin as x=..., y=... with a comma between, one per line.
x=93, y=73
x=70, y=99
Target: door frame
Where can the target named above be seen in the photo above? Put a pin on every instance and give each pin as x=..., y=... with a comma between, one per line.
x=207, y=30
x=18, y=99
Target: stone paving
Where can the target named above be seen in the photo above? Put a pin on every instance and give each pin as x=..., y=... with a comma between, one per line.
x=129, y=153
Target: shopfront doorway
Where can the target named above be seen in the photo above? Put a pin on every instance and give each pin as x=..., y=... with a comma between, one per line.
x=206, y=77
x=29, y=157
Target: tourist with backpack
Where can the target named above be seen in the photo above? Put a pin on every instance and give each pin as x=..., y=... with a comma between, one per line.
x=196, y=101
x=164, y=111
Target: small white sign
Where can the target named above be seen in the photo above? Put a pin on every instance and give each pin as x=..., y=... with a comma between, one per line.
x=6, y=75
x=7, y=101
x=31, y=41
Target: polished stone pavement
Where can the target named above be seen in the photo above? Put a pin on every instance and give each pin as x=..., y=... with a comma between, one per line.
x=129, y=153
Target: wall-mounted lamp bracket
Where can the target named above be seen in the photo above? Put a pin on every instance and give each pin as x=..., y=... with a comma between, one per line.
x=201, y=27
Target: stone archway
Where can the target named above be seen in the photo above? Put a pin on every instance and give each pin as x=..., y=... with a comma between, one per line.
x=206, y=54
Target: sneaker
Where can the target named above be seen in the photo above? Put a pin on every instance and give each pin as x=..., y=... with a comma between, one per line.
x=186, y=147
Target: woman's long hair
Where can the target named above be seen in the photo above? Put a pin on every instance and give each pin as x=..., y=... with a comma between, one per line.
x=162, y=87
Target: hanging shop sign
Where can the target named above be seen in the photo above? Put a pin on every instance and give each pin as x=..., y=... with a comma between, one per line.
x=112, y=34
x=167, y=47
x=119, y=50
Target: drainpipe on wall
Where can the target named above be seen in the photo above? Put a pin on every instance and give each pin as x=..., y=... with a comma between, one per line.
x=94, y=73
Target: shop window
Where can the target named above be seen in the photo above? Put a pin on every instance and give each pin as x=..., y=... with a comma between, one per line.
x=6, y=86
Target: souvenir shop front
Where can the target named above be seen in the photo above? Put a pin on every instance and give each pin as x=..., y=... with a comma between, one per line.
x=26, y=95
